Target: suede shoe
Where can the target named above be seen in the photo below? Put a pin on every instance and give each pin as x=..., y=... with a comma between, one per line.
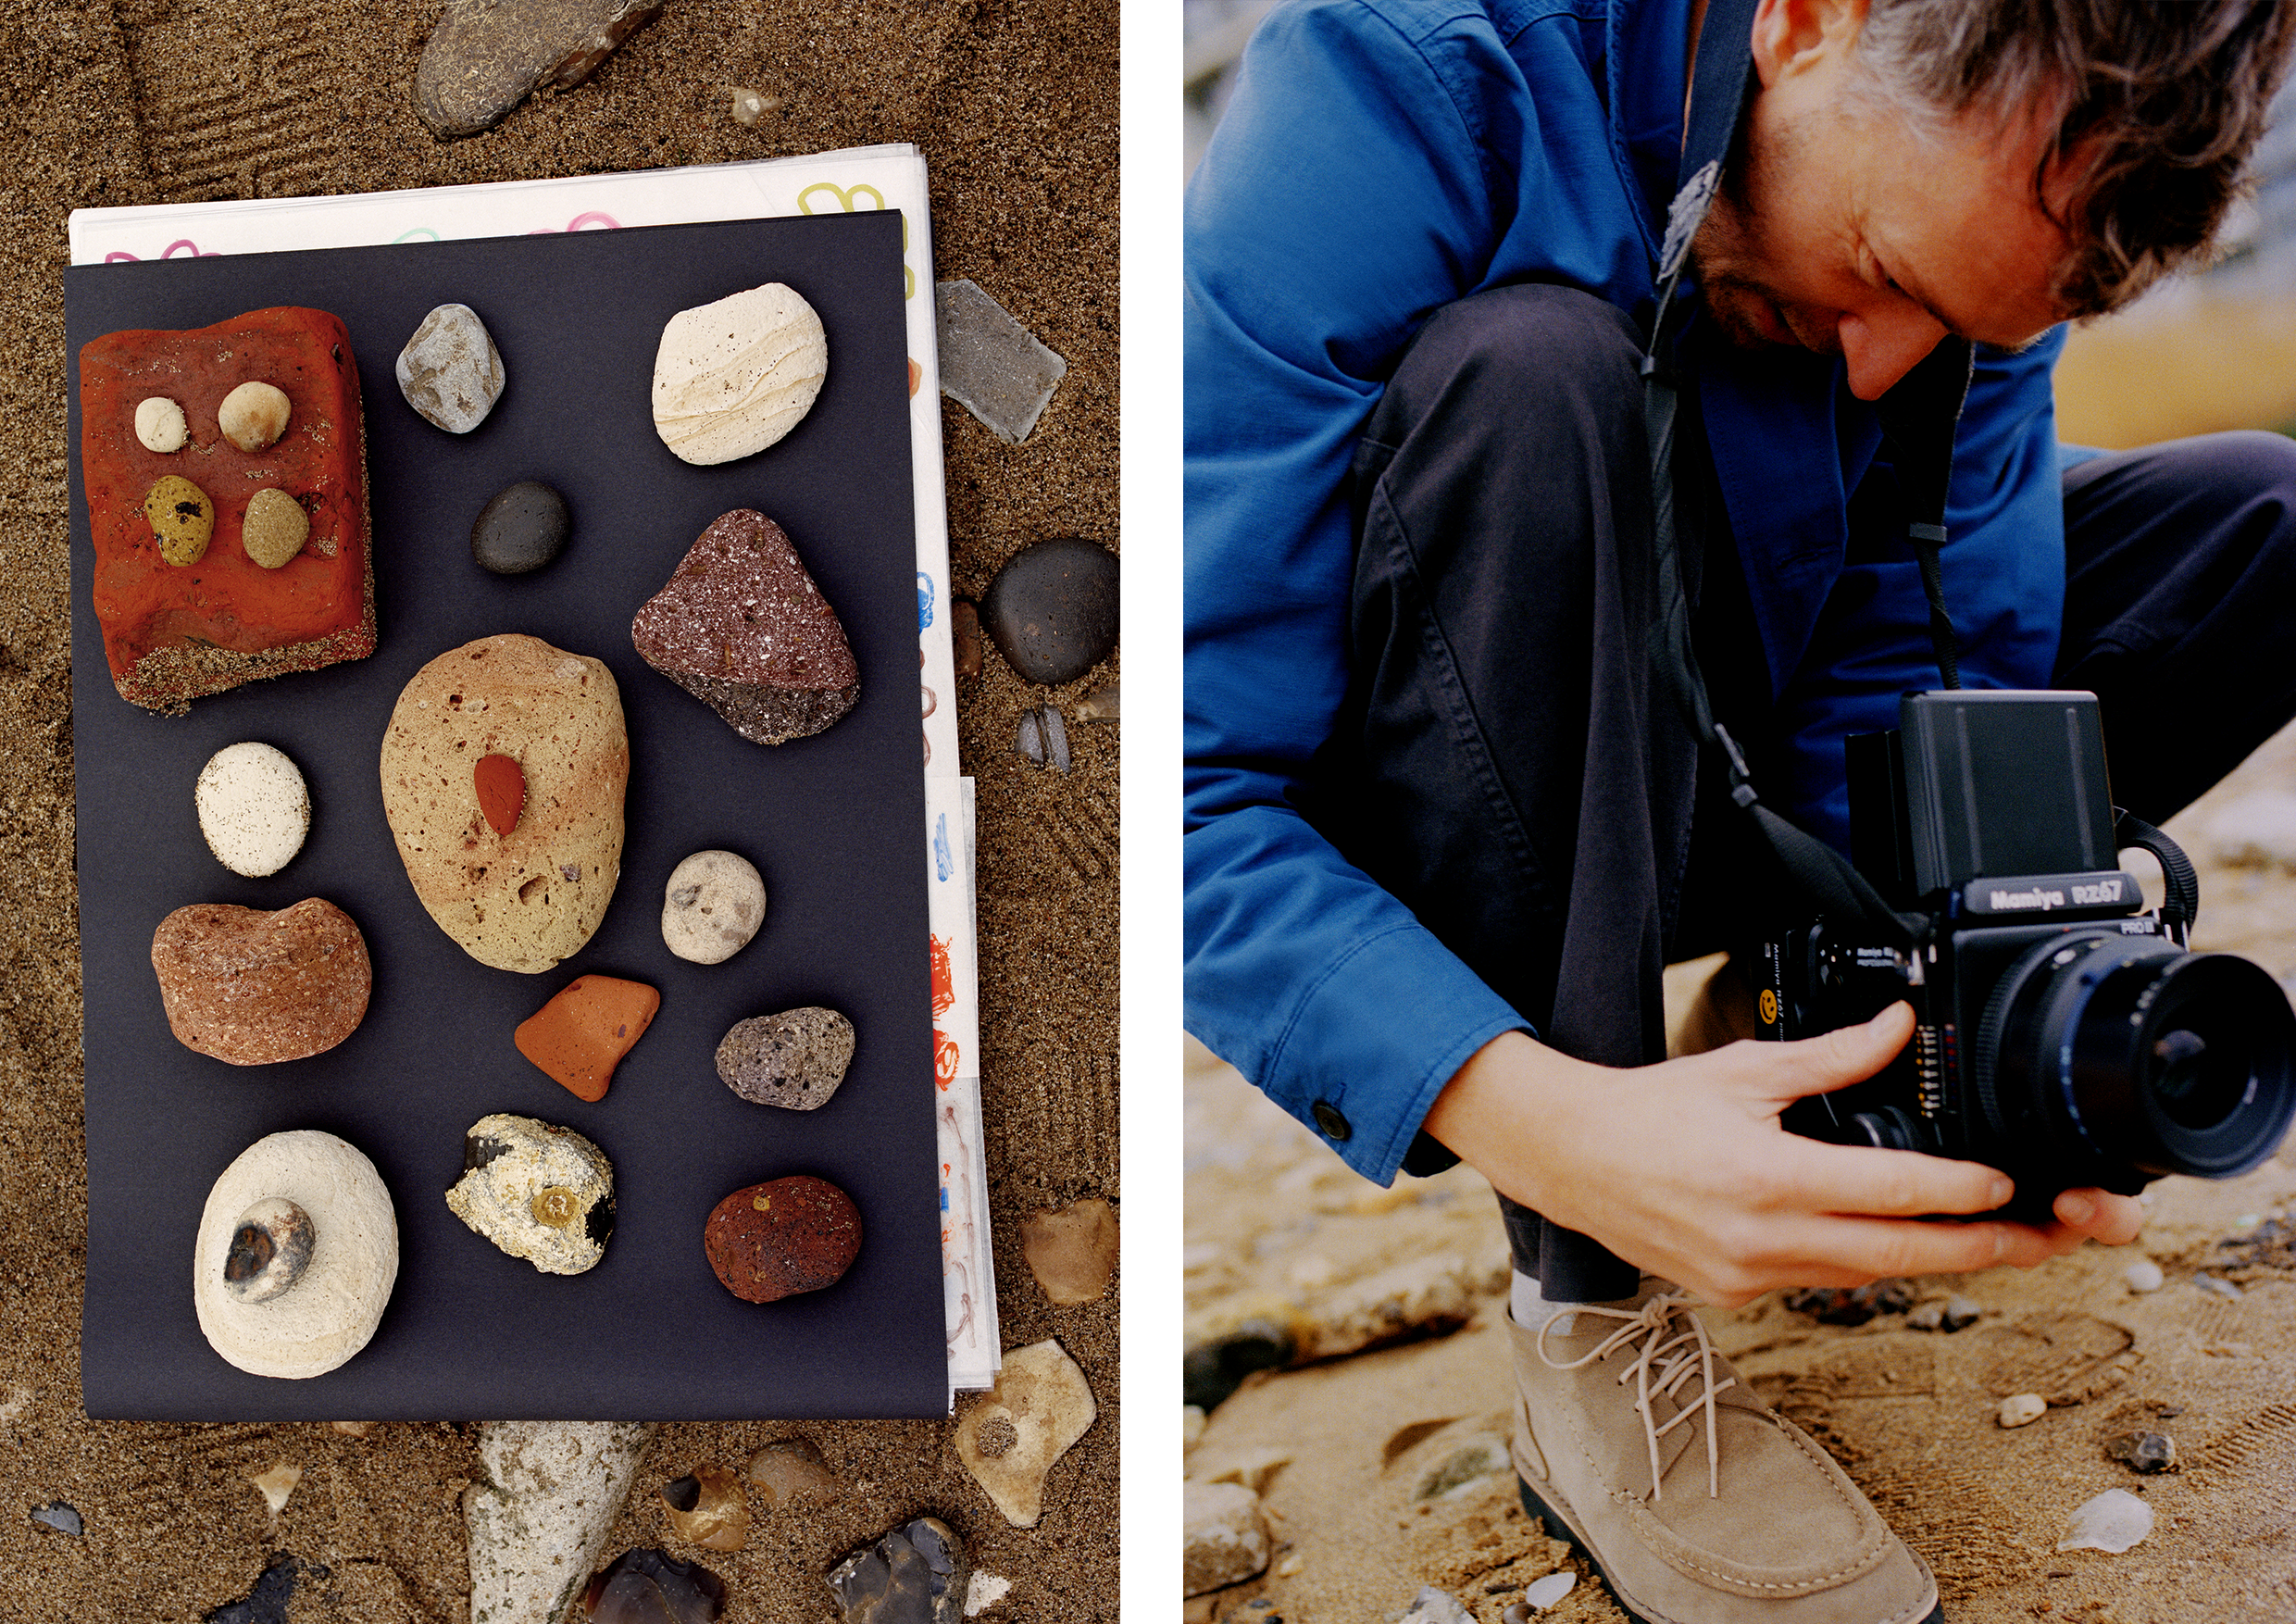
x=1636, y=1443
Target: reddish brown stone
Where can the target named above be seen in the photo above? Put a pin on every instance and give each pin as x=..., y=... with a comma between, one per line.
x=580, y=1035
x=251, y=988
x=782, y=1237
x=502, y=792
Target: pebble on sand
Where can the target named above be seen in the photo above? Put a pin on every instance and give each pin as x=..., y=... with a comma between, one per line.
x=483, y=61
x=1071, y=1250
x=985, y=1590
x=1223, y=1533
x=647, y=1587
x=707, y=1508
x=790, y=1469
x=1053, y=608
x=2112, y=1522
x=546, y=1496
x=277, y=1485
x=917, y=1573
x=1009, y=1440
x=2144, y=1275
x=2020, y=1408
x=990, y=364
x=59, y=1517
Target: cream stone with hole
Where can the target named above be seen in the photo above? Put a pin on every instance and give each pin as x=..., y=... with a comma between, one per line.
x=731, y=378
x=330, y=1311
x=525, y=900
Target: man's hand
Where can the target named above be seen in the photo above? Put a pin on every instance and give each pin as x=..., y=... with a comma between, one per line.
x=1682, y=1169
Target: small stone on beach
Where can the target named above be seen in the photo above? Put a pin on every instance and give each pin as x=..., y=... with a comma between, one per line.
x=1053, y=608
x=2019, y=1408
x=792, y=1468
x=1071, y=1250
x=2112, y=1522
x=707, y=1508
x=450, y=371
x=990, y=364
x=521, y=527
x=2144, y=1275
x=917, y=1573
x=59, y=1517
x=647, y=1587
x=2143, y=1452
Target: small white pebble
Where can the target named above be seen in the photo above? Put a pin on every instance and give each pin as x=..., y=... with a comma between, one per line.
x=1544, y=1593
x=2112, y=1521
x=253, y=807
x=983, y=1591
x=159, y=424
x=2144, y=1275
x=2020, y=1407
x=1191, y=1423
x=254, y=415
x=276, y=1484
x=749, y=106
x=1291, y=1565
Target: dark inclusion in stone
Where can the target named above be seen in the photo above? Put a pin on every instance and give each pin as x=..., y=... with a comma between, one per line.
x=478, y=1150
x=685, y=1493
x=646, y=1587
x=917, y=1574
x=599, y=1224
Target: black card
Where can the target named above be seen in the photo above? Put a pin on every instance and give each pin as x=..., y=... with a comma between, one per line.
x=834, y=823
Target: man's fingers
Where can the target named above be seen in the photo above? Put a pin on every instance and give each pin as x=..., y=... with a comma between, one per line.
x=1852, y=1250
x=1835, y=1059
x=2114, y=1220
x=1886, y=1184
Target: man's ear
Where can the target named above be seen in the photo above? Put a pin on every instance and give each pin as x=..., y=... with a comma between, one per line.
x=1796, y=37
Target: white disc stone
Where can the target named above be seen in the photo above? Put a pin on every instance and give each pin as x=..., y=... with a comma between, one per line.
x=253, y=808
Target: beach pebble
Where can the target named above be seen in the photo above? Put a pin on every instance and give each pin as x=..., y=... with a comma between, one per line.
x=1468, y=1461
x=59, y=1517
x=1010, y=1437
x=527, y=900
x=2112, y=1521
x=159, y=424
x=707, y=1508
x=964, y=637
x=253, y=416
x=274, y=528
x=253, y=808
x=1071, y=1250
x=791, y=1468
x=774, y=1240
x=483, y=61
x=741, y=627
x=747, y=105
x=2020, y=1408
x=1215, y=1367
x=581, y=1034
x=733, y=377
x=712, y=907
x=917, y=1573
x=521, y=527
x=2143, y=1452
x=450, y=371
x=182, y=518
x=277, y=1485
x=537, y=1191
x=1105, y=704
x=794, y=1059
x=1053, y=608
x=544, y=1497
x=253, y=988
x=647, y=1587
x=1949, y=1313
x=984, y=1592
x=1543, y=1594
x=990, y=364
x=1223, y=1536
x=329, y=1311
x=1042, y=737
x=2221, y=1287
x=1193, y=1421
x=2144, y=1275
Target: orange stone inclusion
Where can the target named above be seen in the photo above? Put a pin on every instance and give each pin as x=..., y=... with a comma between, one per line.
x=580, y=1035
x=502, y=792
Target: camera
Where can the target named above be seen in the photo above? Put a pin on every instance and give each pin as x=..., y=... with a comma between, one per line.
x=2063, y=1034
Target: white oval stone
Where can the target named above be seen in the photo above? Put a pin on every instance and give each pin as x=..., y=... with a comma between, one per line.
x=2019, y=1408
x=331, y=1310
x=254, y=415
x=731, y=378
x=2144, y=1275
x=450, y=371
x=159, y=424
x=712, y=905
x=253, y=808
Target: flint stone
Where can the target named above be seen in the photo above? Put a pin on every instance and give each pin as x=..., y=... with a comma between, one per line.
x=2144, y=1452
x=450, y=371
x=59, y=1517
x=1224, y=1536
x=1053, y=608
x=521, y=527
x=712, y=907
x=1043, y=1398
x=792, y=1468
x=917, y=1574
x=537, y=1191
x=272, y=1597
x=707, y=1508
x=548, y=1494
x=794, y=1059
x=990, y=364
x=486, y=56
x=648, y=1587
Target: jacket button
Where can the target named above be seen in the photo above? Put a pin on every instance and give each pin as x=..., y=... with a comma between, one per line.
x=1328, y=1117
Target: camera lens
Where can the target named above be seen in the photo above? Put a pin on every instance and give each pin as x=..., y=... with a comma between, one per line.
x=2102, y=1054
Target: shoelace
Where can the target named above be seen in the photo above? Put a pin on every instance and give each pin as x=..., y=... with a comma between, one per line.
x=1663, y=1364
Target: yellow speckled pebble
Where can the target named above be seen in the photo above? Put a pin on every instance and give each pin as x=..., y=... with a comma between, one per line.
x=275, y=528
x=182, y=518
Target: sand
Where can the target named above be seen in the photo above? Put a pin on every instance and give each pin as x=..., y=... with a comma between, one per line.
x=1014, y=102
x=1277, y=1227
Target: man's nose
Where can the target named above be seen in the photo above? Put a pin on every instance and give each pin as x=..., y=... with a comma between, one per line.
x=1881, y=348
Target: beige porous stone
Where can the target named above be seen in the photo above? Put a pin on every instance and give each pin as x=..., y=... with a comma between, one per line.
x=731, y=378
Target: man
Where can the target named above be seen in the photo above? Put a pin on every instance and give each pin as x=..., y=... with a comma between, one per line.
x=1444, y=827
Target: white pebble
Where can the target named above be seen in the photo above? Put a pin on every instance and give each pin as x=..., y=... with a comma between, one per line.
x=983, y=1591
x=254, y=415
x=2144, y=1275
x=2021, y=1408
x=159, y=424
x=712, y=905
x=1544, y=1593
x=749, y=106
x=733, y=377
x=2113, y=1521
x=253, y=808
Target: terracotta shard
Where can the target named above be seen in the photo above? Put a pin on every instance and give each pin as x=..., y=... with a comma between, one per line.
x=502, y=792
x=580, y=1035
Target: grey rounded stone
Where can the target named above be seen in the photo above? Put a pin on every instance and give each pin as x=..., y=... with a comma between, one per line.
x=794, y=1059
x=1053, y=609
x=712, y=907
x=522, y=528
x=450, y=371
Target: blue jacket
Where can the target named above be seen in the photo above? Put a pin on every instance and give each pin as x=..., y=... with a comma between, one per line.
x=1382, y=158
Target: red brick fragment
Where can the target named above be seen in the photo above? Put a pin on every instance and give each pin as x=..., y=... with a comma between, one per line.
x=502, y=791
x=580, y=1035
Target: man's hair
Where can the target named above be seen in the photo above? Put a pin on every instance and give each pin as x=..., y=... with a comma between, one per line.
x=2158, y=106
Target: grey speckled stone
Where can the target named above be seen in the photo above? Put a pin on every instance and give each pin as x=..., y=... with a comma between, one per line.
x=450, y=371
x=1053, y=608
x=794, y=1059
x=488, y=56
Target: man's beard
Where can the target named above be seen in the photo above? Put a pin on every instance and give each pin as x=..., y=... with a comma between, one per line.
x=1724, y=256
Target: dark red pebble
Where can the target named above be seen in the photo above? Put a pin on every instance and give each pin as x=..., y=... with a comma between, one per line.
x=782, y=1237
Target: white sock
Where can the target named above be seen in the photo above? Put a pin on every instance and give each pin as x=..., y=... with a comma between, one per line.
x=1531, y=1309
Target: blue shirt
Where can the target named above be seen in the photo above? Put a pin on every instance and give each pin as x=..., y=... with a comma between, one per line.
x=1380, y=160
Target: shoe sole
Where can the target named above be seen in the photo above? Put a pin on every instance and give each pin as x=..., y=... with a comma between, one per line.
x=1560, y=1527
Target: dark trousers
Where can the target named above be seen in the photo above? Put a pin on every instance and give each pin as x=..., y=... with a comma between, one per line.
x=1505, y=764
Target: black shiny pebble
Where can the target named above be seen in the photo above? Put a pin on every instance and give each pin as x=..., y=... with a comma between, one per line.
x=521, y=530
x=646, y=1587
x=1212, y=1371
x=59, y=1517
x=1053, y=609
x=917, y=1574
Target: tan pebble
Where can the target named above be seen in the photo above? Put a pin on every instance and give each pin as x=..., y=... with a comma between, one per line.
x=254, y=415
x=182, y=518
x=275, y=528
x=354, y=1429
x=1071, y=1250
x=2021, y=1408
x=159, y=424
x=749, y=105
x=276, y=1484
